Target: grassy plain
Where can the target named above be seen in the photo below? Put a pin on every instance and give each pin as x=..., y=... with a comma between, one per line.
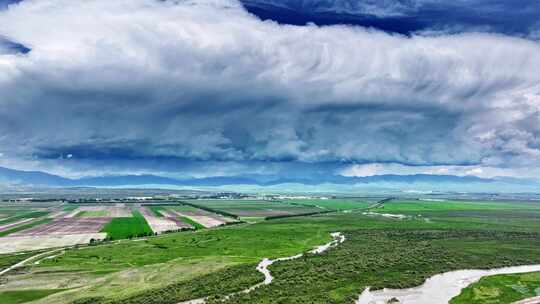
x=7, y=260
x=501, y=289
x=389, y=258
x=23, y=296
x=173, y=267
x=127, y=227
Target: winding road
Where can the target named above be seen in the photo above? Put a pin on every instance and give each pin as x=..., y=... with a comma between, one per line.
x=23, y=262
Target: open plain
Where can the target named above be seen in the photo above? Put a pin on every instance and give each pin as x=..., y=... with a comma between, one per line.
x=378, y=252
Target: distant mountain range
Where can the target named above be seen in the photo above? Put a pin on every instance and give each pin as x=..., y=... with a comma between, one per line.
x=42, y=179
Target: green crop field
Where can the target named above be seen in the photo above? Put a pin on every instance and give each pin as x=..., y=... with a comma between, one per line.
x=19, y=215
x=191, y=222
x=156, y=210
x=127, y=227
x=378, y=252
x=455, y=205
x=501, y=289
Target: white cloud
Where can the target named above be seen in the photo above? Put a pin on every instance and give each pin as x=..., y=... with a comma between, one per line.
x=206, y=80
x=360, y=170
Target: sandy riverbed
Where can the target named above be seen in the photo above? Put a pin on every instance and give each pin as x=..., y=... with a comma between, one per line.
x=439, y=289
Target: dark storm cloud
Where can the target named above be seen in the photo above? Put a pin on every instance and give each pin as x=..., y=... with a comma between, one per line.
x=161, y=84
x=520, y=17
x=10, y=47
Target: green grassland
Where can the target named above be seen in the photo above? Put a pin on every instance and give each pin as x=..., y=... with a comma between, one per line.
x=173, y=267
x=501, y=289
x=23, y=296
x=7, y=260
x=127, y=227
x=391, y=259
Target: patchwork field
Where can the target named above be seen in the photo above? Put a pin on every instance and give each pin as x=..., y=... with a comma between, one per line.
x=63, y=226
x=24, y=226
x=252, y=208
x=16, y=223
x=179, y=220
x=161, y=224
x=205, y=218
x=30, y=226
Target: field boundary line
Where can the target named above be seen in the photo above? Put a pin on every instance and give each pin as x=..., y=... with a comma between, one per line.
x=30, y=259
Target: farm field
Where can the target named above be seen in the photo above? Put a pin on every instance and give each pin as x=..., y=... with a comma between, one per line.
x=66, y=226
x=253, y=208
x=127, y=227
x=102, y=213
x=203, y=217
x=32, y=226
x=17, y=215
x=159, y=223
x=388, y=252
x=24, y=226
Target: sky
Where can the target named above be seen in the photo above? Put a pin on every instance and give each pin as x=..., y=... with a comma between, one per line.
x=195, y=88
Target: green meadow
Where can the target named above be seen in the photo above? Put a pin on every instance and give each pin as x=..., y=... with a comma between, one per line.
x=379, y=252
x=501, y=289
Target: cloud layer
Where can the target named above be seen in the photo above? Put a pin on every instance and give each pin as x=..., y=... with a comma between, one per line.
x=142, y=82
